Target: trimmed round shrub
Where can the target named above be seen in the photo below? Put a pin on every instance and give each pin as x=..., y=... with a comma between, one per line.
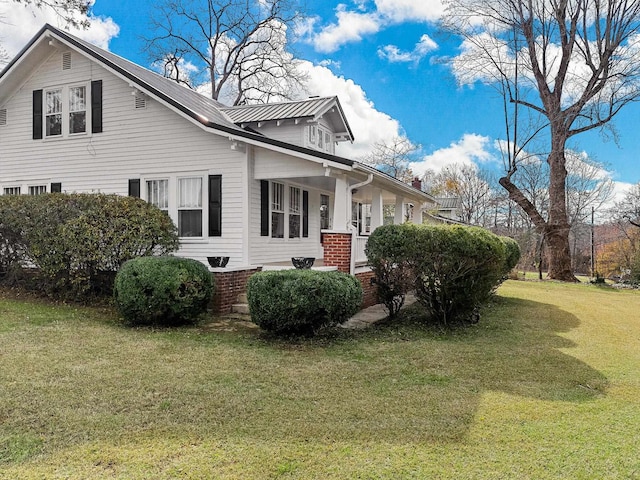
x=300, y=302
x=74, y=239
x=165, y=291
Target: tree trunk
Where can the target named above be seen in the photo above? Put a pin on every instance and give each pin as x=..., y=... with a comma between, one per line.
x=557, y=229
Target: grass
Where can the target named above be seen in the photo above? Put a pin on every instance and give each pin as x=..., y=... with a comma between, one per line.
x=547, y=385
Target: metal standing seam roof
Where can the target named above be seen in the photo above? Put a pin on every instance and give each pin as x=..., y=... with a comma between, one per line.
x=278, y=111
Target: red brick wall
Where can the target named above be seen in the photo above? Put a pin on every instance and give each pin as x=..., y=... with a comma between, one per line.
x=369, y=290
x=228, y=285
x=337, y=250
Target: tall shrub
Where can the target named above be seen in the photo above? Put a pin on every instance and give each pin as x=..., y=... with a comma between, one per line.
x=388, y=256
x=72, y=239
x=457, y=268
x=452, y=269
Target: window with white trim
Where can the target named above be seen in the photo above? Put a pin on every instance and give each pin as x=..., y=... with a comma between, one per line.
x=295, y=212
x=37, y=189
x=190, y=207
x=78, y=109
x=65, y=111
x=277, y=210
x=158, y=193
x=53, y=112
x=11, y=190
x=319, y=138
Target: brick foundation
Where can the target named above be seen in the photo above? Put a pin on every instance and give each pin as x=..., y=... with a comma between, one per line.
x=228, y=285
x=369, y=290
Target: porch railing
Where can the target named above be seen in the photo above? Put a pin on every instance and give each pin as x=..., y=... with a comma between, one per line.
x=359, y=243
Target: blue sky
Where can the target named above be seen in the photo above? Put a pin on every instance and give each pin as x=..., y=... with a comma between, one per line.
x=383, y=59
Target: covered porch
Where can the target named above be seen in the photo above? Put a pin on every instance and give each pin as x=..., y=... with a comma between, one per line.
x=340, y=205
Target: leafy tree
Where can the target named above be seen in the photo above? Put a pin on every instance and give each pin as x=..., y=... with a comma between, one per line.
x=237, y=47
x=569, y=66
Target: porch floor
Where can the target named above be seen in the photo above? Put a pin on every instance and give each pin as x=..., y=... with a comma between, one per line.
x=287, y=265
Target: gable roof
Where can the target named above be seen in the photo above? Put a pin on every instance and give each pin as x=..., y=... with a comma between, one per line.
x=201, y=109
x=312, y=109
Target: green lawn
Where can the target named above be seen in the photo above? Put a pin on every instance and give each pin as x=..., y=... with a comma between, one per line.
x=546, y=386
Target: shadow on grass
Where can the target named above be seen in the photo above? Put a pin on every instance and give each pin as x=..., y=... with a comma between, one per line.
x=396, y=382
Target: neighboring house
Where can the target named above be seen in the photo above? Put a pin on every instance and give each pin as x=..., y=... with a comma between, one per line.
x=259, y=184
x=449, y=209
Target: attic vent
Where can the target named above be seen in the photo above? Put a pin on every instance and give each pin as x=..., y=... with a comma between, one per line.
x=66, y=61
x=3, y=117
x=140, y=101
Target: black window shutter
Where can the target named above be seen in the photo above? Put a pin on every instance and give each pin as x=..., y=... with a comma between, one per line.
x=264, y=208
x=305, y=213
x=96, y=106
x=37, y=114
x=215, y=205
x=134, y=187
x=56, y=187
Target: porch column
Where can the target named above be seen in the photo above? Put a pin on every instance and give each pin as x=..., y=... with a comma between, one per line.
x=377, y=218
x=399, y=213
x=417, y=213
x=341, y=204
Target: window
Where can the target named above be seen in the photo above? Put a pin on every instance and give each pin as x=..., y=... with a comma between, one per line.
x=190, y=207
x=158, y=193
x=11, y=190
x=53, y=119
x=77, y=109
x=325, y=221
x=65, y=111
x=37, y=189
x=277, y=210
x=320, y=138
x=294, y=212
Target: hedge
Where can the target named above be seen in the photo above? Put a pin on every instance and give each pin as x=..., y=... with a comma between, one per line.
x=72, y=239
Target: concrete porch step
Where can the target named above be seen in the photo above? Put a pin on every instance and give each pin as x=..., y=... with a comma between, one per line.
x=241, y=305
x=242, y=308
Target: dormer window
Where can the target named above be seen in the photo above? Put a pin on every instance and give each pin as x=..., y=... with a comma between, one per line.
x=319, y=138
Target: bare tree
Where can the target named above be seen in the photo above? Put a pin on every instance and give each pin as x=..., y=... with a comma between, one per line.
x=628, y=209
x=472, y=186
x=238, y=47
x=67, y=10
x=393, y=157
x=572, y=63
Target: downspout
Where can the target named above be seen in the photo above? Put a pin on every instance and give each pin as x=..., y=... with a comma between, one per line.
x=354, y=232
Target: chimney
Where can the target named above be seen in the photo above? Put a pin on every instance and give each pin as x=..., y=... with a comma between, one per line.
x=416, y=183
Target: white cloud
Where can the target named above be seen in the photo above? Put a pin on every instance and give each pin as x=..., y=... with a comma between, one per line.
x=399, y=11
x=350, y=27
x=394, y=55
x=22, y=23
x=471, y=149
x=368, y=124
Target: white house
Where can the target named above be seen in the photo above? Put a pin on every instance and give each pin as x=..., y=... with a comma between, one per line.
x=258, y=184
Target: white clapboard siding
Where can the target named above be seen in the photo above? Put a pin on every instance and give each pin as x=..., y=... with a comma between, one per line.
x=288, y=131
x=135, y=143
